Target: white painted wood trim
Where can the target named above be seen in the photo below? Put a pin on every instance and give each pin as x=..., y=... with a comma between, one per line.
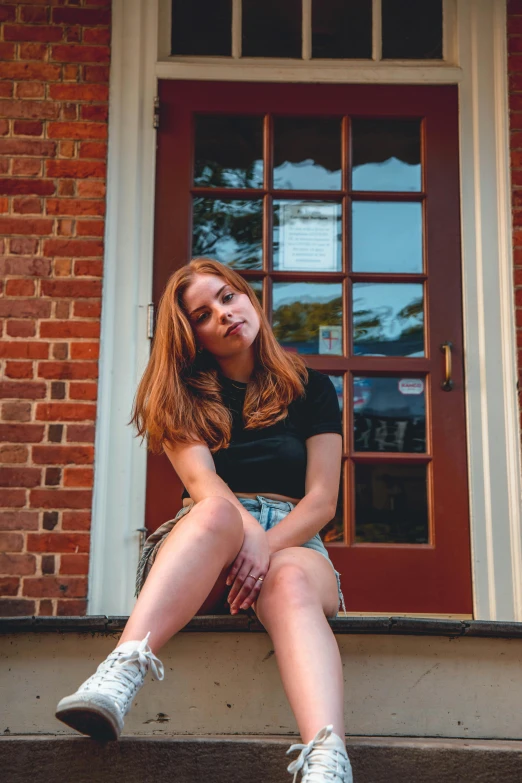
x=490, y=360
x=489, y=323
x=376, y=30
x=237, y=41
x=120, y=462
x=306, y=32
x=250, y=69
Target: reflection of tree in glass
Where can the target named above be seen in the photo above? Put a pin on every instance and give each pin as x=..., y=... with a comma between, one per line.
x=367, y=324
x=230, y=231
x=300, y=321
x=374, y=324
x=414, y=310
x=211, y=174
x=334, y=530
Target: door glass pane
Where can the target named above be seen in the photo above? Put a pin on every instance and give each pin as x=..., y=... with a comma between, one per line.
x=229, y=230
x=338, y=382
x=386, y=155
x=307, y=236
x=387, y=236
x=334, y=530
x=257, y=285
x=388, y=319
x=228, y=152
x=202, y=27
x=307, y=153
x=271, y=28
x=389, y=414
x=342, y=28
x=391, y=504
x=412, y=29
x=307, y=317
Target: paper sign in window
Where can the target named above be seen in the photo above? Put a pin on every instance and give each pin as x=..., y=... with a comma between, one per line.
x=308, y=236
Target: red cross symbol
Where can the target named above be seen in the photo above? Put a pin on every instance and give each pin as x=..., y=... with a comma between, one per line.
x=328, y=336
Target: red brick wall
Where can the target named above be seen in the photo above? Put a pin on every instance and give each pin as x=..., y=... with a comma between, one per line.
x=515, y=112
x=54, y=82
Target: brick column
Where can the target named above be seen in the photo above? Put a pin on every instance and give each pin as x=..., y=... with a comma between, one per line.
x=54, y=84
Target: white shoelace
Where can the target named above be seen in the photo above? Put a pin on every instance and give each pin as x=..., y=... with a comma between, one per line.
x=319, y=764
x=119, y=680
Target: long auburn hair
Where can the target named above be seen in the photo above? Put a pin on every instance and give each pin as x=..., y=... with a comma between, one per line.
x=179, y=396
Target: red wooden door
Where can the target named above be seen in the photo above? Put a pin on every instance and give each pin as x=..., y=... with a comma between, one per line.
x=340, y=205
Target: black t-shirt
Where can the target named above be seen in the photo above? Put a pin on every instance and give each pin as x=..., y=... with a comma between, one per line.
x=273, y=459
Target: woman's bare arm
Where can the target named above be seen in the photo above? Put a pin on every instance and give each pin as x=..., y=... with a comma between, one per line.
x=194, y=465
x=318, y=506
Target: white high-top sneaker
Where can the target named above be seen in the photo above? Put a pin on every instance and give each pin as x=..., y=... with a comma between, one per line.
x=323, y=760
x=100, y=704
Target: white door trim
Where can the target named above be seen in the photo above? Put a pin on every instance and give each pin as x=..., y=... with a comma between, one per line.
x=489, y=326
x=120, y=461
x=489, y=320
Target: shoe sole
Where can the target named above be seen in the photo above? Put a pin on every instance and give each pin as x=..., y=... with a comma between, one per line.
x=89, y=716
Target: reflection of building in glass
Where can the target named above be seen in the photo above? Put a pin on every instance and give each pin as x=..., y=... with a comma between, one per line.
x=391, y=504
x=386, y=419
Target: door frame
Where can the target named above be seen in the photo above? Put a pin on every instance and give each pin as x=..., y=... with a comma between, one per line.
x=488, y=291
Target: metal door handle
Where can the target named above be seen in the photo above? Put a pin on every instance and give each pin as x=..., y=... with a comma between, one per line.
x=447, y=383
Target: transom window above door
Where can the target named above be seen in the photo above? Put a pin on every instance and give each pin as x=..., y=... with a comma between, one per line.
x=309, y=29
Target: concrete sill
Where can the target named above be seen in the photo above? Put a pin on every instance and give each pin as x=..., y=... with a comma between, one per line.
x=398, y=626
x=236, y=759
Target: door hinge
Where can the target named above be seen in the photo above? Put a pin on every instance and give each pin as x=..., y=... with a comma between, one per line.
x=150, y=321
x=156, y=114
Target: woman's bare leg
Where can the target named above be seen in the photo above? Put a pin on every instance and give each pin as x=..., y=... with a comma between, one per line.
x=194, y=558
x=299, y=592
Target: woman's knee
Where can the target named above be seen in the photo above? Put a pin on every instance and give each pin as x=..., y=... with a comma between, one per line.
x=287, y=584
x=216, y=514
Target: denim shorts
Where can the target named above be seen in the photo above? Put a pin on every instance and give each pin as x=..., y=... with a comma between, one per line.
x=268, y=513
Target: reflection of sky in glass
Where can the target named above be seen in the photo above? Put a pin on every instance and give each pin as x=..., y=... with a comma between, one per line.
x=306, y=175
x=285, y=293
x=387, y=237
x=390, y=175
x=388, y=319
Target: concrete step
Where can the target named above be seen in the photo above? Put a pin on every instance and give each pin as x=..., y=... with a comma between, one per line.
x=251, y=760
x=223, y=679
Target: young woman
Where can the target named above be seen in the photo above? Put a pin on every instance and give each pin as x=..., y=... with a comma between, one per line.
x=255, y=437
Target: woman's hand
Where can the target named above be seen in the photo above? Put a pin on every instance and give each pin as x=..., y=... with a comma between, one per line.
x=253, y=558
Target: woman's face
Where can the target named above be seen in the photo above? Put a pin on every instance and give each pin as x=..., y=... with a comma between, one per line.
x=213, y=306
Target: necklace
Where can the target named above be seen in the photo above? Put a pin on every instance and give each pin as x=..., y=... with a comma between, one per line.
x=235, y=384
